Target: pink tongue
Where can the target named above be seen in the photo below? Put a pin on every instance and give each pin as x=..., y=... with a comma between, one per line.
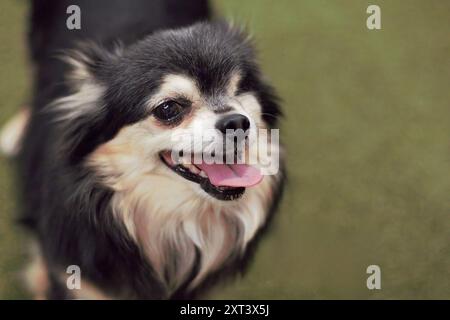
x=234, y=175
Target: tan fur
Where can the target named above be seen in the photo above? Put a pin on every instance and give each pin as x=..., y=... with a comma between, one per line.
x=233, y=84
x=89, y=292
x=36, y=276
x=175, y=85
x=166, y=214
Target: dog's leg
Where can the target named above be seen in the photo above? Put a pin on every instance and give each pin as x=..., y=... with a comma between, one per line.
x=12, y=133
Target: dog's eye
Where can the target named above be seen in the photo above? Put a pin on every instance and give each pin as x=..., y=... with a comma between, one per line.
x=168, y=111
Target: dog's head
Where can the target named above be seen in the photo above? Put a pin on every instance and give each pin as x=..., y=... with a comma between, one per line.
x=143, y=119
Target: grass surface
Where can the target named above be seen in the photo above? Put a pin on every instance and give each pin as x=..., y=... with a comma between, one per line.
x=367, y=131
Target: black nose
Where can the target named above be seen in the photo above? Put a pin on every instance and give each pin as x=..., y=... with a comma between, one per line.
x=233, y=121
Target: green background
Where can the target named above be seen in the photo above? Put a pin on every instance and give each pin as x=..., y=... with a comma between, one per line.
x=367, y=131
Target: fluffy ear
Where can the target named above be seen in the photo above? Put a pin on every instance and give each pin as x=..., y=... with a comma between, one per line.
x=79, y=114
x=89, y=62
x=89, y=66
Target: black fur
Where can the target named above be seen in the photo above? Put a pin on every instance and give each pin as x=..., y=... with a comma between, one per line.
x=63, y=204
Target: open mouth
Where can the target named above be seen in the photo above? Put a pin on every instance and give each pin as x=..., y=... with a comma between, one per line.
x=221, y=181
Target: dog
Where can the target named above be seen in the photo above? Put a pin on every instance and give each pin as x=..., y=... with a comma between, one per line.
x=100, y=189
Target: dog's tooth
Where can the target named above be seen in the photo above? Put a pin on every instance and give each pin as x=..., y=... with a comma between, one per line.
x=203, y=174
x=194, y=169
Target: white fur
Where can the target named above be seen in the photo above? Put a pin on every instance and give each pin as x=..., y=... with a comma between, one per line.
x=175, y=85
x=84, y=100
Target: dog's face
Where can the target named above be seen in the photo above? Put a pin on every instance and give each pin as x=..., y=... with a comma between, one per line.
x=182, y=121
x=134, y=109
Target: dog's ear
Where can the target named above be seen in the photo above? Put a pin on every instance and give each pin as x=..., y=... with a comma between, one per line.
x=89, y=66
x=90, y=62
x=80, y=113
